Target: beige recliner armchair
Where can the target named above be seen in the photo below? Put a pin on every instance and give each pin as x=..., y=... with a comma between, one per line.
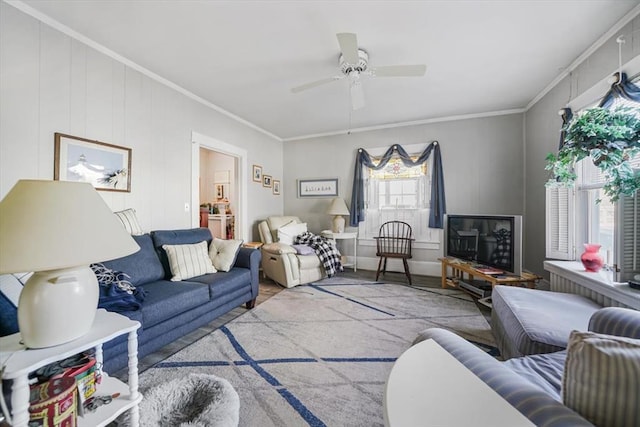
x=281, y=262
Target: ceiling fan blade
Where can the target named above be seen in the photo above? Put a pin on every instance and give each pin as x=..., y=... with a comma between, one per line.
x=357, y=95
x=314, y=84
x=349, y=47
x=399, y=71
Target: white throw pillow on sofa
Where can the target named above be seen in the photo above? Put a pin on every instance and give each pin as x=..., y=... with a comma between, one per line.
x=287, y=233
x=129, y=221
x=223, y=253
x=187, y=261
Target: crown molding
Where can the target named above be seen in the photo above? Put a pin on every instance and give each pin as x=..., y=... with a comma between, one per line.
x=411, y=123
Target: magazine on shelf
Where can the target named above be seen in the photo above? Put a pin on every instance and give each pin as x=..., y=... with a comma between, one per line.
x=488, y=270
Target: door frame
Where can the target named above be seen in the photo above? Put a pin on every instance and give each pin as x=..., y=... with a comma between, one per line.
x=198, y=141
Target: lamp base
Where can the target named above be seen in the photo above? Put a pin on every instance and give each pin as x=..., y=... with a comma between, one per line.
x=57, y=306
x=338, y=224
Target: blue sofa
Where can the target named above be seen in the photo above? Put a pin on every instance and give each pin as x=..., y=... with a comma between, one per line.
x=172, y=309
x=533, y=384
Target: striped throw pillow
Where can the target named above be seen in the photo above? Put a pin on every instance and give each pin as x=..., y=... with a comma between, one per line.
x=187, y=261
x=601, y=378
x=129, y=221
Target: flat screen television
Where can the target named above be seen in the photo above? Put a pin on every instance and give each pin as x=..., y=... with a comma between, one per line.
x=488, y=240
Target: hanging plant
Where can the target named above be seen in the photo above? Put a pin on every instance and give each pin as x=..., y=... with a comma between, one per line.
x=611, y=138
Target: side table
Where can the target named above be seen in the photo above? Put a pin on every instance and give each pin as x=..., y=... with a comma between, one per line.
x=345, y=236
x=20, y=361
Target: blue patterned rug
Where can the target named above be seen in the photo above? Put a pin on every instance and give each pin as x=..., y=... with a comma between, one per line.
x=320, y=354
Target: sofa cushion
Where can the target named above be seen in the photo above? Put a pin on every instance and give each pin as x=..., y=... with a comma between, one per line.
x=166, y=299
x=225, y=283
x=223, y=253
x=177, y=237
x=601, y=378
x=187, y=261
x=307, y=262
x=530, y=321
x=129, y=221
x=143, y=266
x=543, y=370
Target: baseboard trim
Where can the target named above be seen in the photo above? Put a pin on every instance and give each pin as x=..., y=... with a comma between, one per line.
x=423, y=268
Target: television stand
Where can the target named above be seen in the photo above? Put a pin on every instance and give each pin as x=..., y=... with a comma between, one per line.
x=462, y=271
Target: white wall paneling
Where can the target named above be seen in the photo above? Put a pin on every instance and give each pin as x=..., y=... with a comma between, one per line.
x=52, y=82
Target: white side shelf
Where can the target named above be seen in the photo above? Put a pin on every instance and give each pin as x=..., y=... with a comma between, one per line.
x=351, y=262
x=21, y=361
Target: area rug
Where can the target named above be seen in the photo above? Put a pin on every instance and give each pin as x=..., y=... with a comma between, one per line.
x=320, y=354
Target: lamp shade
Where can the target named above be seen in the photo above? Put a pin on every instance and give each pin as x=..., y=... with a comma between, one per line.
x=47, y=225
x=338, y=207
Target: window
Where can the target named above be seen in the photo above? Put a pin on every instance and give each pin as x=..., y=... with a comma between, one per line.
x=615, y=226
x=398, y=192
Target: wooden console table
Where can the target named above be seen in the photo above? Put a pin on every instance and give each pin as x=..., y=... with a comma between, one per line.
x=459, y=268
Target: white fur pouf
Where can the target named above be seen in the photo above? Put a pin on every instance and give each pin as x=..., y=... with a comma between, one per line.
x=195, y=401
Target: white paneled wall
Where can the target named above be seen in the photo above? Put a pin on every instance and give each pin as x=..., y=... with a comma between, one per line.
x=50, y=82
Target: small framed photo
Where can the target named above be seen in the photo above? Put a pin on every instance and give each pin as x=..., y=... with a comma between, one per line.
x=105, y=166
x=220, y=193
x=266, y=181
x=276, y=186
x=318, y=187
x=257, y=173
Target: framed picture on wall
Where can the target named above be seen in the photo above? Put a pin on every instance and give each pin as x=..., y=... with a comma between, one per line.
x=106, y=166
x=257, y=173
x=276, y=186
x=266, y=181
x=318, y=187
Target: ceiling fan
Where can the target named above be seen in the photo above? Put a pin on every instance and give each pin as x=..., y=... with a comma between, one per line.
x=354, y=63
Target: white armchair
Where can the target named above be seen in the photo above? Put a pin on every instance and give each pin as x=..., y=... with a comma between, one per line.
x=280, y=261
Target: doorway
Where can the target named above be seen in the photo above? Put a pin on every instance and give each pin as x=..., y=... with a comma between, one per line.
x=217, y=171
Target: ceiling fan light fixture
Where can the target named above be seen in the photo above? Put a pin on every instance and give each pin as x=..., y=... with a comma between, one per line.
x=363, y=62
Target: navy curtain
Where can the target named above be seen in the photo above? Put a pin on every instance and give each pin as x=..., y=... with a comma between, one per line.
x=363, y=159
x=621, y=88
x=567, y=115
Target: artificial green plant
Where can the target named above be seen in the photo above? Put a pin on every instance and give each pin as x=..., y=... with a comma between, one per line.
x=611, y=138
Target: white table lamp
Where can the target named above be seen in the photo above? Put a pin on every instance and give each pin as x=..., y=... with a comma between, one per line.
x=57, y=229
x=338, y=208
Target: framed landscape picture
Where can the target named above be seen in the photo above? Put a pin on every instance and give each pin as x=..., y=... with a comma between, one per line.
x=318, y=187
x=105, y=166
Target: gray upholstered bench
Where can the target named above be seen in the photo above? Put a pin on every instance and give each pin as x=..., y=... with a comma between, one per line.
x=529, y=321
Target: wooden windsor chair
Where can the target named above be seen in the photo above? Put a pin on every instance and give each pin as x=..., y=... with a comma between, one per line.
x=394, y=240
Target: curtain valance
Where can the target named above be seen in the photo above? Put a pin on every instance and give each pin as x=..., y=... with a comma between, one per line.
x=622, y=88
x=363, y=159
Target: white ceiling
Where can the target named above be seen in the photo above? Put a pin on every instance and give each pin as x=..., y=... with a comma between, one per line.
x=245, y=56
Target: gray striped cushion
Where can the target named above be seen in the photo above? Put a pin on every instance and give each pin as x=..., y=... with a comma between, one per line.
x=129, y=221
x=623, y=322
x=602, y=378
x=187, y=261
x=533, y=402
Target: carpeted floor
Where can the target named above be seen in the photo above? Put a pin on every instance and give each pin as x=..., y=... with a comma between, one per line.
x=320, y=354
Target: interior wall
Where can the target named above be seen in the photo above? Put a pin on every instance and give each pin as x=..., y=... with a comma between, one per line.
x=482, y=160
x=543, y=132
x=50, y=82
